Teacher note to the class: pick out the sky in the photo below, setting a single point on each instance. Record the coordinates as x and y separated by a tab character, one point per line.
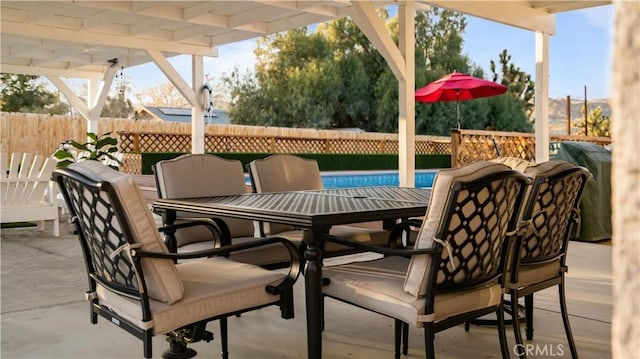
579	54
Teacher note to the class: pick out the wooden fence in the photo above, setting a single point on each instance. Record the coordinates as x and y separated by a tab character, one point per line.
468	146
365	143
42	134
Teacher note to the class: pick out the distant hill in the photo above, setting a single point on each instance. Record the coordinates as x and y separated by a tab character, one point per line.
558	113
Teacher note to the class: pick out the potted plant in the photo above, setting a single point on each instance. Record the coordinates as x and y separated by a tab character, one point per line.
101	148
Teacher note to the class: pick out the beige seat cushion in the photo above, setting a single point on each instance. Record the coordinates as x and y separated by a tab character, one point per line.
271	254
211	287
535	273
379	286
417	272
372	236
163	282
359	234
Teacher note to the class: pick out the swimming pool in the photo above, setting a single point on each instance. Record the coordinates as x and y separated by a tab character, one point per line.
346	179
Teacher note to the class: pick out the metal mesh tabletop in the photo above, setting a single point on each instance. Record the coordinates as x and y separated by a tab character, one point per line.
310	208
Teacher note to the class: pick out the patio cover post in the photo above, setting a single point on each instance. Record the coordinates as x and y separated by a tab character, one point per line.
406	98
92	94
197	113
541	114
190	94
403	66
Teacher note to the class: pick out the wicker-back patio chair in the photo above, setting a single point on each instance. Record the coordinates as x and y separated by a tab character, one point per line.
207	175
552	204
454	271
284	172
133	280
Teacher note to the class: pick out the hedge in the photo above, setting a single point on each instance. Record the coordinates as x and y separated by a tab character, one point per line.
326	161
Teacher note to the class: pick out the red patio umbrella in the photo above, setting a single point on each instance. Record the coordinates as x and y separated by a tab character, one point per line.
458	87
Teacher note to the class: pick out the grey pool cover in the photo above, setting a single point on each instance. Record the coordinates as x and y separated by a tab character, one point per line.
595	208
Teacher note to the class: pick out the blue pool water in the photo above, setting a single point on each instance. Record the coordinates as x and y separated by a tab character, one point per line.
346	179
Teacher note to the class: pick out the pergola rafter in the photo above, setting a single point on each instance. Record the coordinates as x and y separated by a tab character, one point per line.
81	39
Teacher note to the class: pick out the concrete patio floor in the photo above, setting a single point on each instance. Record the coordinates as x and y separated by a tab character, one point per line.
44	314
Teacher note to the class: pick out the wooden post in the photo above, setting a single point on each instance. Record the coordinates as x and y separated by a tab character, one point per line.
586	111
568	115
136	142
455	147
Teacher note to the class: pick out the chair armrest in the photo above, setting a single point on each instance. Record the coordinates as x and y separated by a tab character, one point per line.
294	255
220	232
405	252
395	240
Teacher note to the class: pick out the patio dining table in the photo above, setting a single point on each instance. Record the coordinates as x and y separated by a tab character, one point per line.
314	211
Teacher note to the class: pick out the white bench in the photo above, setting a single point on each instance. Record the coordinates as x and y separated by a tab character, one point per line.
26	190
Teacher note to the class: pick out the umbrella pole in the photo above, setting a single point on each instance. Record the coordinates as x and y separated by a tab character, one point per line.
458	107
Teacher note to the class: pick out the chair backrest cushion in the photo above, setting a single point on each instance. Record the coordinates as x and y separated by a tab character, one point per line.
161	277
419	267
283	172
203	175
515	163
553	204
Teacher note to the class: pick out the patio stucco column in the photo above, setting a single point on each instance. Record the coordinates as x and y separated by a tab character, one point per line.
625	132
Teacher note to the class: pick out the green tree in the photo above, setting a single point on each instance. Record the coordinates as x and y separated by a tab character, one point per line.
334	77
360	65
438	35
24	93
518	82
294	86
439	41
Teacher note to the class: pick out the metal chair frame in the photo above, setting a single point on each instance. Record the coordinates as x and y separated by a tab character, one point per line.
440	278
98	213
548	193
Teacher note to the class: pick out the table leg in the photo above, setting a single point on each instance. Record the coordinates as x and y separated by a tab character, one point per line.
313	293
169	219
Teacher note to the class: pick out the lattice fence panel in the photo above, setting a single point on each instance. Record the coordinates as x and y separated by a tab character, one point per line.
126	142
299	145
422	147
440	147
516	146
470	146
237	144
131	163
165	143
355	146
473	149
393	146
